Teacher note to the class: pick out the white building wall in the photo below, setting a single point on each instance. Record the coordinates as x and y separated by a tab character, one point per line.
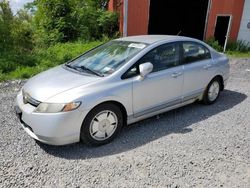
244	33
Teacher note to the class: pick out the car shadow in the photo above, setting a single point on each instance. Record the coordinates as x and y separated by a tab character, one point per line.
138	134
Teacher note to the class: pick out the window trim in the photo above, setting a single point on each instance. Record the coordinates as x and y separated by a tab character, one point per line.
179	43
182	52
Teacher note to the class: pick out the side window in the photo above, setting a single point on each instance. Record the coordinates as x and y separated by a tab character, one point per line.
193	52
162	57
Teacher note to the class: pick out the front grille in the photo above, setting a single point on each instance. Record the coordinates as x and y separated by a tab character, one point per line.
28	99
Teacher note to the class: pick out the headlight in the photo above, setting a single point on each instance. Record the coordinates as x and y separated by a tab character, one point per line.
57	107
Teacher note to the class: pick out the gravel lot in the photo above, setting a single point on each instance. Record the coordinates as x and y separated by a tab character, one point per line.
194	146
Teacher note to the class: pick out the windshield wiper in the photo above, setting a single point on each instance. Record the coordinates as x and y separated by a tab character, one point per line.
89	70
85	69
70	66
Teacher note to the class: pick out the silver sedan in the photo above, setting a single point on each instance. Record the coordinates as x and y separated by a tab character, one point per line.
121	82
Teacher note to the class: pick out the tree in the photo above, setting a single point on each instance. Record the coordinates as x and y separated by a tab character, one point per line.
63	21
100	4
22	32
54	21
15	38
6	21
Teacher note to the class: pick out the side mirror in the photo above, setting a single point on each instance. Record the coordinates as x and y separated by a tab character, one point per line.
145	69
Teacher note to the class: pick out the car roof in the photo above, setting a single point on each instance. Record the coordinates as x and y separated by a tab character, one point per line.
150	39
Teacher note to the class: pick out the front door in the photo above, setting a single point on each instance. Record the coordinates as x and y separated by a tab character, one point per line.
163	86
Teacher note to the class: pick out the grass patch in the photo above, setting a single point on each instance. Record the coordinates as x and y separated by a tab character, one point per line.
236	54
238	49
42	59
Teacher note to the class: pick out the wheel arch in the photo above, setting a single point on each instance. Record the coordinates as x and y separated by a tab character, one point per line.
117	103
220	78
85	131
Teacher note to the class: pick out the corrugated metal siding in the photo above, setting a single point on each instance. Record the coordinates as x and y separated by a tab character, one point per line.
138	14
225	7
244	33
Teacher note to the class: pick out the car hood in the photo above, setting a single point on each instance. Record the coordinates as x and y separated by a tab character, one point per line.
54	81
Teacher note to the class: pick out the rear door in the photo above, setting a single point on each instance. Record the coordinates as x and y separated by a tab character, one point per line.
198	69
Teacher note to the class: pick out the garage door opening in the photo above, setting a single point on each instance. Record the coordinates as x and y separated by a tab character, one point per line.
178	17
221	29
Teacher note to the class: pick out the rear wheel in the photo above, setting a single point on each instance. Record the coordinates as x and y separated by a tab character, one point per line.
212	92
102	124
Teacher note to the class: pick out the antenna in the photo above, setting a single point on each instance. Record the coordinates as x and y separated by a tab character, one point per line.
179	33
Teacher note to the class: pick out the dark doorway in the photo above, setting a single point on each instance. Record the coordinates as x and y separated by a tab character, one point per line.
172	17
221	29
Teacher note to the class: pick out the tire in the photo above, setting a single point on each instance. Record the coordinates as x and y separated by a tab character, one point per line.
102	124
212	91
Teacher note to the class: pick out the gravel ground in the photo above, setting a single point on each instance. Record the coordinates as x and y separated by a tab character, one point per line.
194	146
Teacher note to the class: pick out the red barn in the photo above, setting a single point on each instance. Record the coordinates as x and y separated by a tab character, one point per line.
202	19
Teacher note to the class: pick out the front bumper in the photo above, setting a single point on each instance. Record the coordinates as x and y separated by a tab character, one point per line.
50	128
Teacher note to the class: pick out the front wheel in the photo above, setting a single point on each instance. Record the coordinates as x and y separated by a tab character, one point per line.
102	124
212	92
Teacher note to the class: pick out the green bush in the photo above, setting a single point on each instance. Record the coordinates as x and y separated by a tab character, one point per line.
10	61
214	44
68	21
6	65
239	46
25	72
108	23
42	59
62	52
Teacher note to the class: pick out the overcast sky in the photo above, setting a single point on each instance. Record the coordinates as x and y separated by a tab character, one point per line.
18	4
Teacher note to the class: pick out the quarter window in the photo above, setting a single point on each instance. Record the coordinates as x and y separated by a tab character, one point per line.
193	52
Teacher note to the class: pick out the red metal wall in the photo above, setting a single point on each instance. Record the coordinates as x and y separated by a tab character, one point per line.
225	7
138	14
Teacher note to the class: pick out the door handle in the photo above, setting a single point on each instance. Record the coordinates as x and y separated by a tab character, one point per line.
176	74
207	66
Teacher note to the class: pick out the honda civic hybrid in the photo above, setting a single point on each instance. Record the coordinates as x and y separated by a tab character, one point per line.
91	97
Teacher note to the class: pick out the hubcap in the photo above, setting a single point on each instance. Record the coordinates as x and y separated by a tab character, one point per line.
213	91
103	125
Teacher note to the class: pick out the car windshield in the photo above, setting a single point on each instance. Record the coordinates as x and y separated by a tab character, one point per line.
107	58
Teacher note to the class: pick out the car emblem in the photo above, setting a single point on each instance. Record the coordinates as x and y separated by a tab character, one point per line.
25	97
